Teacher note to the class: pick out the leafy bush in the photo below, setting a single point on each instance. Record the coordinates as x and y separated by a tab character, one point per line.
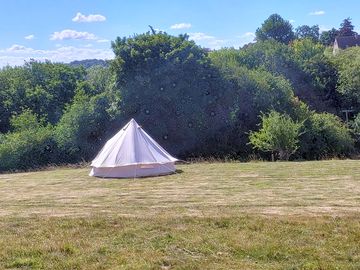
27	120
310	74
325	136
31	144
80	131
322	73
251	92
168	85
348	65
42	87
278	134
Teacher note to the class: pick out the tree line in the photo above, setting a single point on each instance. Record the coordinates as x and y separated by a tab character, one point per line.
280	97
281	30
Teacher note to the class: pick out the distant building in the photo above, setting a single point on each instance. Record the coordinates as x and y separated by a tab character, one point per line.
342	43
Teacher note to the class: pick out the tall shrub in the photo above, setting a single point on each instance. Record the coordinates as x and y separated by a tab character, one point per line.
278	134
80	131
325	136
31	145
169	86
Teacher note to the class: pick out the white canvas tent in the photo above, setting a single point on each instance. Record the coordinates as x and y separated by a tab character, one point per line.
132	153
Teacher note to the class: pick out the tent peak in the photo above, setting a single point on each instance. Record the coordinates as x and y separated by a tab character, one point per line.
133	122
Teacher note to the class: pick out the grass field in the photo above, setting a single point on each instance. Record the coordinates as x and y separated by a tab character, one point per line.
293	215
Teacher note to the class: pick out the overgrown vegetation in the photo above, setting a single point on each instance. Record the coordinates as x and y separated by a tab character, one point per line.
194	102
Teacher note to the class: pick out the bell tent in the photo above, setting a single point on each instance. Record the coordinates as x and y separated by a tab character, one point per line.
132	153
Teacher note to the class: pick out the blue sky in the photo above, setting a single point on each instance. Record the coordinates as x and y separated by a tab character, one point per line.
67	30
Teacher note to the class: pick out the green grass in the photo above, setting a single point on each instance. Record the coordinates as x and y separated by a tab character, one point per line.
295	215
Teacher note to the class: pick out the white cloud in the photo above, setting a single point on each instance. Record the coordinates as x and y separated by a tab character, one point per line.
207	41
90	18
103	40
16	48
292	21
181	26
248	35
19	50
29	37
200	36
72	34
217	43
317	13
17	54
243	39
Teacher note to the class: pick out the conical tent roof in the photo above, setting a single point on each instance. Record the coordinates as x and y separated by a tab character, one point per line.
131	146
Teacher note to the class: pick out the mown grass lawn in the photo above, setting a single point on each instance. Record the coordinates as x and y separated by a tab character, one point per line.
294	215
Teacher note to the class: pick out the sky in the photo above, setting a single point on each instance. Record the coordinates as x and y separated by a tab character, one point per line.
68	30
